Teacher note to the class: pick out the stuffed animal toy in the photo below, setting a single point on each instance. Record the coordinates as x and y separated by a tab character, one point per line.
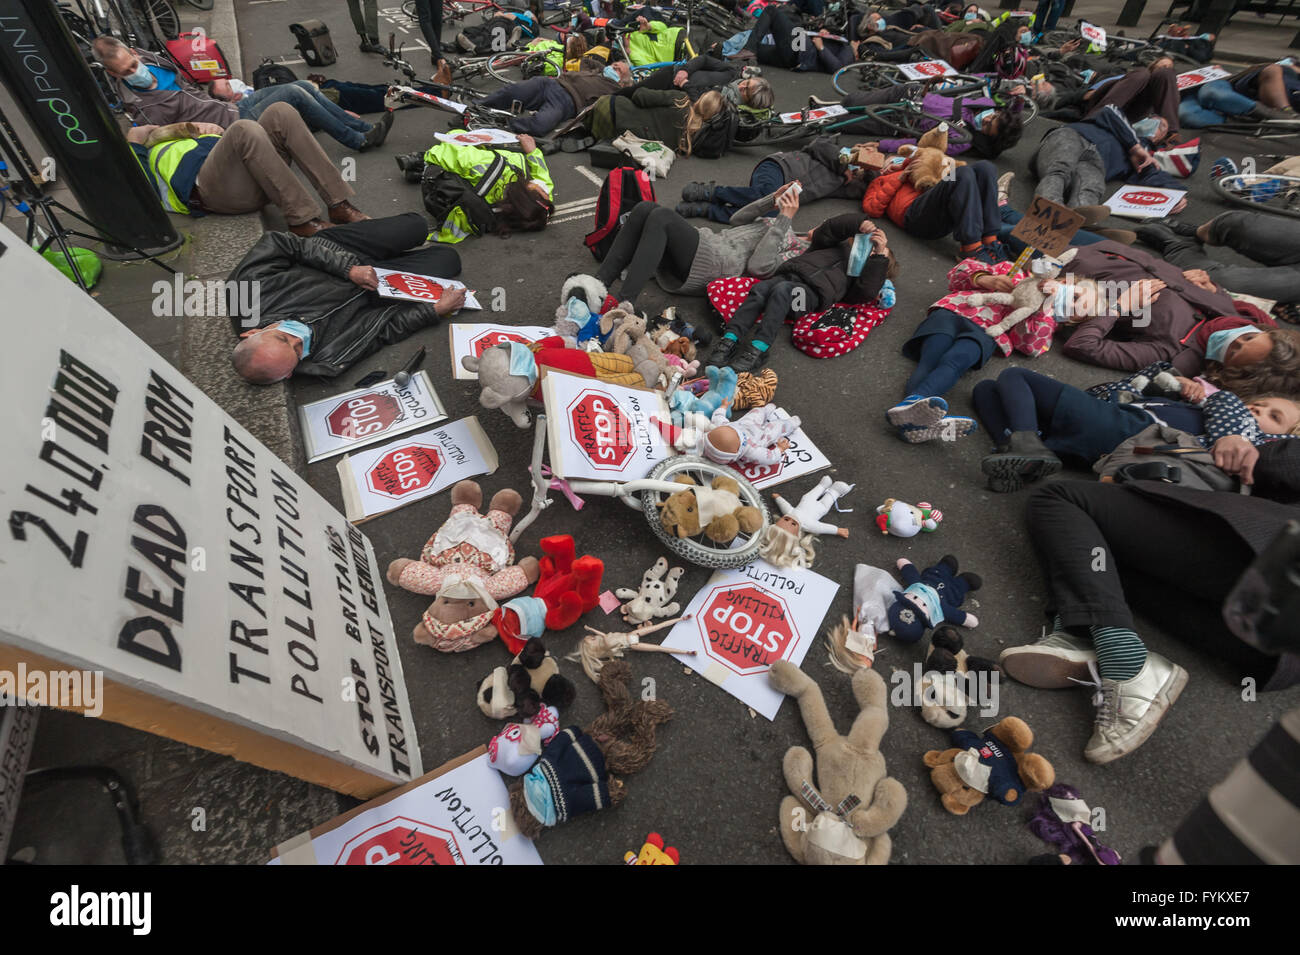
722	386
658	587
931	597
588	290
532	680
944	689
754	390
906	520
573	775
1032	293
852	644
716	511
758	437
577	324
928	161
467	565
515	749
654	852
997	765
508	374
1063	821
788	542
852	802
626	334
566	589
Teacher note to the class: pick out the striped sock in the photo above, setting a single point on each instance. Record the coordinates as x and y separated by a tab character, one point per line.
1120	652
1057	626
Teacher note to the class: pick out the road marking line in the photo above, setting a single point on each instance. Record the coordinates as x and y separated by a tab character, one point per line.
582	205
590	175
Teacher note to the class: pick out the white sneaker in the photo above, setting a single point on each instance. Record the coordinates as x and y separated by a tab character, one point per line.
1128	711
1004	187
1053	662
917	411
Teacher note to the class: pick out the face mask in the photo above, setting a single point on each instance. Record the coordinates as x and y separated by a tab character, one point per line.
522	362
878	26
971	15
141	79
611	74
1218	343
1025	39
1062	302
859	253
982	117
300	331
1147	128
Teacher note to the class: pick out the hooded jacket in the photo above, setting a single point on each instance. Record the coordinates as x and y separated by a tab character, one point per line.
825	266
190	104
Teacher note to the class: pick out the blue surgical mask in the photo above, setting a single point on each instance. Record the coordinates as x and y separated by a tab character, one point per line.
1062	302
1025	38
522	362
300	331
878	25
141	79
982	117
859	253
1147	128
612	74
970	15
1218	343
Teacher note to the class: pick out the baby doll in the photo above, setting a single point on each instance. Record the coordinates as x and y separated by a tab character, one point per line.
788	542
758	437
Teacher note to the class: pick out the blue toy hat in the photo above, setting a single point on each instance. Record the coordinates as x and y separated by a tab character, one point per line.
906	622
568	780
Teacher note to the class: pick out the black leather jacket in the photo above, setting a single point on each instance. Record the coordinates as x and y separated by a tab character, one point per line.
307	280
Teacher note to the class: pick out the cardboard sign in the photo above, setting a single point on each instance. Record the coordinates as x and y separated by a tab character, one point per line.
475	339
743	621
1144	202
379	480
1048	226
602	431
17	731
821	112
459	814
1093	34
431	98
802	457
1206	74
412	287
366	415
926	69
152	538
478	137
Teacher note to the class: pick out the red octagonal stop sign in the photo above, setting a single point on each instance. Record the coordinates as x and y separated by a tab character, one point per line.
601	430
362	415
745	628
401	841
405	470
416	285
755	472
480	344
1143	198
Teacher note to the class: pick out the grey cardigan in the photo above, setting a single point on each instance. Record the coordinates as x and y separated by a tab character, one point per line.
753	249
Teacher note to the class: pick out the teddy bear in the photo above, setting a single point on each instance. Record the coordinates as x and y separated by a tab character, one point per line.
467	566
716	511
932	596
567	587
907	520
575	772
654	852
658	587
853	803
928	161
1032	293
997	764
627	333
532	680
944	689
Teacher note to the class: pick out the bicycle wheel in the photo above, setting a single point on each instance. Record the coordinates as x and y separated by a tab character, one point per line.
133	25
699	549
866	76
514	66
163	17
1263	193
408	9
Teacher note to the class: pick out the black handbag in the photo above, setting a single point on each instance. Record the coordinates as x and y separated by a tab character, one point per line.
314	42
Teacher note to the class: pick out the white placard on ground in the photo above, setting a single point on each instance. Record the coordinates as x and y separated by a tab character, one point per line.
1206	74
366	415
926	69
821	112
1144	202
478	137
601	431
474	339
1093	34
743	621
378	480
413	287
153	538
458	814
802	457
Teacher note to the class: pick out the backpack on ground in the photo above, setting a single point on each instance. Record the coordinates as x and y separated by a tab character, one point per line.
718	134
623	188
314	42
443	190
269	73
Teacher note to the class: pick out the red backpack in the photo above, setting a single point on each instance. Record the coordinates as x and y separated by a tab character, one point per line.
623	188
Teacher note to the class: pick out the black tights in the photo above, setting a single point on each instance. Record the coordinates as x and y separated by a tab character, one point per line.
1020	400
653	237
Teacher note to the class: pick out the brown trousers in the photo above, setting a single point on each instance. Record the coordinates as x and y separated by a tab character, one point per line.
249	168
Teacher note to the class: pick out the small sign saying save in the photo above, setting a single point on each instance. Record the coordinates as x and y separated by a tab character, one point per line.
1048	226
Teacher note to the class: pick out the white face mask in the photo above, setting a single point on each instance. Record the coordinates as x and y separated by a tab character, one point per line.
141	79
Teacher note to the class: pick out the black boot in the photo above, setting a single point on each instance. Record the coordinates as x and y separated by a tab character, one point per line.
412	165
1023	459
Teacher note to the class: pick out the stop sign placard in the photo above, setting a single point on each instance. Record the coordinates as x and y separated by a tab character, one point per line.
401	841
756	473
1142	198
361	415
405	470
746	628
480	344
601	431
417	286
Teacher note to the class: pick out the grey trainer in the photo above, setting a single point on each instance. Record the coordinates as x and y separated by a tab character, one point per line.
1128	711
1053	662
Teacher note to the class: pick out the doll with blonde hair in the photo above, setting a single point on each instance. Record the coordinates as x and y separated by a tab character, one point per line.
789	541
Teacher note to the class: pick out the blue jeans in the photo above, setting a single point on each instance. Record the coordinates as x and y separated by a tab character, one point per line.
942	361
1011	216
1048	12
767	178
1210	103
316	111
966	206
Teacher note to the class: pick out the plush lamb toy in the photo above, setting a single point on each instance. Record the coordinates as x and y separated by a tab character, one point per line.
1032	293
932	596
467	565
844	814
997	765
658	587
944	687
906	520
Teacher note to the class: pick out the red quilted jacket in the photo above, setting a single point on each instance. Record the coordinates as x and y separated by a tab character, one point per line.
890	195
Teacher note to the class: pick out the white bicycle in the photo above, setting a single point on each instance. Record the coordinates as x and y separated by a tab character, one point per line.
646	495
